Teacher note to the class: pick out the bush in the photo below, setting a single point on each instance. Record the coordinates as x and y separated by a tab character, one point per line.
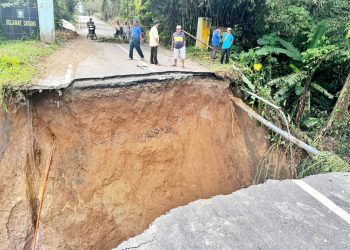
64	9
341	132
326	162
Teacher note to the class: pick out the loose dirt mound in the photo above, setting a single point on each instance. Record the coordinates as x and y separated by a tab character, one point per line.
123	157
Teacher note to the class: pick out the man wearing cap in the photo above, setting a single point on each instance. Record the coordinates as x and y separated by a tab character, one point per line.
135	40
227	41
179	46
154	42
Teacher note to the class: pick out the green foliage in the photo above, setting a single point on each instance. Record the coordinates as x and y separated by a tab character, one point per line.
105	10
91	6
271	45
64	9
341	132
268	50
305	60
17	60
244	15
16	63
313	123
290	20
304	57
317	35
326	162
288	89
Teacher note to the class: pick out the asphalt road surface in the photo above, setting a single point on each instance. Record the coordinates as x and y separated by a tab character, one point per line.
118	54
306	214
84	58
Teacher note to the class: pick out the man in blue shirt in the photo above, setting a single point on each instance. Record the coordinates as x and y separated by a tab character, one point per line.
135	40
215	42
227	41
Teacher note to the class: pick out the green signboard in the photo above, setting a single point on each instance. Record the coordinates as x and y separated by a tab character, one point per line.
20	22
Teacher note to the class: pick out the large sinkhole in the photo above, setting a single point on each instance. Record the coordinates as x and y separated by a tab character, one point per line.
122	157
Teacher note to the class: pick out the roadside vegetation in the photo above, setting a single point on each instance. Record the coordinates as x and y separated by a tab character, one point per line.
18	60
294	53
18	63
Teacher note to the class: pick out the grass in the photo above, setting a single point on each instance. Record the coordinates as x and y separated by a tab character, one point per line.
18	60
326	162
203	57
200	56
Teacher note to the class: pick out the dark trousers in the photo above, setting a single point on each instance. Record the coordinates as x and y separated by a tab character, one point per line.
213	52
154	55
135	44
227	53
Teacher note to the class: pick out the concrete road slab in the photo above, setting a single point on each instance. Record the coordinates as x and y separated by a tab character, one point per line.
274	215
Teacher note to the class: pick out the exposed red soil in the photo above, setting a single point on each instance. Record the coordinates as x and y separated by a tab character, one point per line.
123	157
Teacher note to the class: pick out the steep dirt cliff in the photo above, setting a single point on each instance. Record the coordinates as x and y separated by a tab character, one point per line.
122	158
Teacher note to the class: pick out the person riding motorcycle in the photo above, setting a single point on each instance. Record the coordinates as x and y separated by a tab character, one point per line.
91	26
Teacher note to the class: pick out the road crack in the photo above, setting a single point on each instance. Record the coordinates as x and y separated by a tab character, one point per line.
139	245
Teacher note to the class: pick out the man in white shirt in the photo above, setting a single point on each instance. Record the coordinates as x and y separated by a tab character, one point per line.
154	42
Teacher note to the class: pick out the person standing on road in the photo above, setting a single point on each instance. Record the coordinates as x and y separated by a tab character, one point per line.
126	30
118	29
154	42
135	42
215	42
179	46
227	41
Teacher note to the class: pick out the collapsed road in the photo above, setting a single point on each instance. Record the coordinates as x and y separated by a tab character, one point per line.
274	215
92	164
89	163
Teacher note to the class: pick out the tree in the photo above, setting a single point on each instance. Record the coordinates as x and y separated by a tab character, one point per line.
304	66
105	10
341	108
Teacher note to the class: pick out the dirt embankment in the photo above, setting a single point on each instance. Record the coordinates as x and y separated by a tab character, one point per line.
123	157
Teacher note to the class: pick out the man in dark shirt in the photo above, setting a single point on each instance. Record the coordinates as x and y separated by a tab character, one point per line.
179	46
91	24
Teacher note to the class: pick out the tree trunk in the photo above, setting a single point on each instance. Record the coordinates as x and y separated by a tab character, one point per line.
341	107
302	100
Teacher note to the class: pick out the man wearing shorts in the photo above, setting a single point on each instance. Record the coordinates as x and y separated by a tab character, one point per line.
179	46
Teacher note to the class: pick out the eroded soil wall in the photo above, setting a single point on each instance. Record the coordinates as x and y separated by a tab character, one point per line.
123	157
